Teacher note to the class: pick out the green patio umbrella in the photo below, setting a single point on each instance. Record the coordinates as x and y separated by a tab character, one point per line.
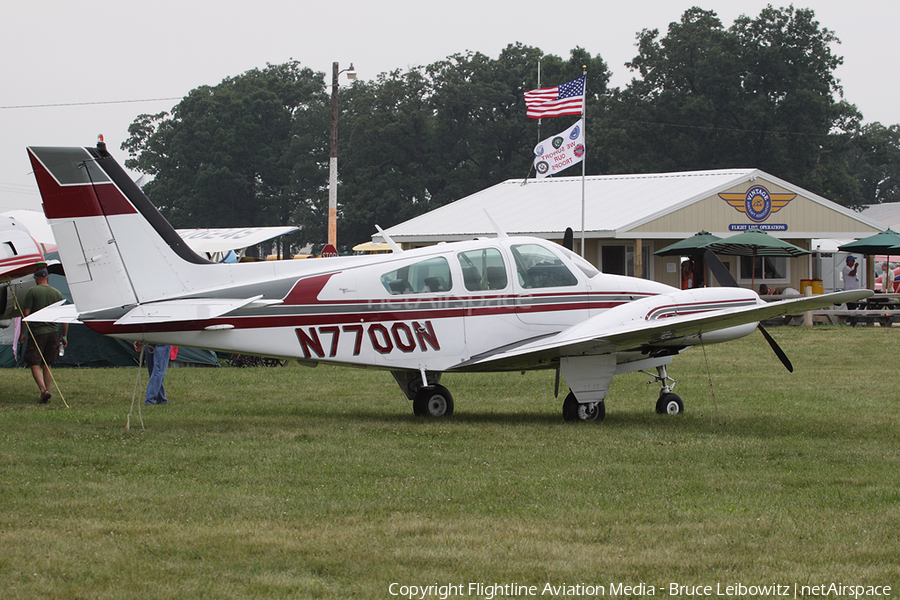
885	242
755	242
880	243
696	244
693	246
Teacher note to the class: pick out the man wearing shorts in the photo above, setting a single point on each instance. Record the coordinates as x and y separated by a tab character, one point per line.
43	339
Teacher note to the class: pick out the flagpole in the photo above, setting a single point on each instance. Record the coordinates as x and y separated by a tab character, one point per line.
539	86
583	160
525	181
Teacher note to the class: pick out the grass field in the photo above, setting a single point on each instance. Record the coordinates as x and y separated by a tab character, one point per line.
320	483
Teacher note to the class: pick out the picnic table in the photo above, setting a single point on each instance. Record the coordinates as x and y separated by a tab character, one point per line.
881	309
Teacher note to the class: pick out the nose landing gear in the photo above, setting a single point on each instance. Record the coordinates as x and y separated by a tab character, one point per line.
669	403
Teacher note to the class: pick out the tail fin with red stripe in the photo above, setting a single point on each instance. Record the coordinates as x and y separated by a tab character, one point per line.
103	224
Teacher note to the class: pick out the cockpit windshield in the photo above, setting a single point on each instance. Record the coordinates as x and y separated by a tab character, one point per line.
583	265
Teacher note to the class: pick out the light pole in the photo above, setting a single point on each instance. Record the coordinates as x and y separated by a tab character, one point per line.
332	161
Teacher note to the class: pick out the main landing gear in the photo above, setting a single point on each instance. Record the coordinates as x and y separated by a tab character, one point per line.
573	410
428	397
669	403
433	401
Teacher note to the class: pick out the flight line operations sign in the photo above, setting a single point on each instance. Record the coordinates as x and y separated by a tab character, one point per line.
758	204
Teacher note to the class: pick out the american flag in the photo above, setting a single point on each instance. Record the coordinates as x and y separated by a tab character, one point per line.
565	99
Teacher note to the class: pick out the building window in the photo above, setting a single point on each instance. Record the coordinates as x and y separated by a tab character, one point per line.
619	260
766	269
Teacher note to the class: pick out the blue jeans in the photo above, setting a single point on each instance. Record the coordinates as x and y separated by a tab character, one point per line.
157	357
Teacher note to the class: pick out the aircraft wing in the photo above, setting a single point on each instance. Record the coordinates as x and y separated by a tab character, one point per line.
225	239
597	335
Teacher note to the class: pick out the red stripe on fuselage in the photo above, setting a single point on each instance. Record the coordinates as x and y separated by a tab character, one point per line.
306	291
668	310
405	312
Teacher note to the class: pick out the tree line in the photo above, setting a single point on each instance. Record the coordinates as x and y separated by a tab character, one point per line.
253	150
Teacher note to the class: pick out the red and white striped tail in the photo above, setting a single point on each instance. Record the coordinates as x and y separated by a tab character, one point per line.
103	224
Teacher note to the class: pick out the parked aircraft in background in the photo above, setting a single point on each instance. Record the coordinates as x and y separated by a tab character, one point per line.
217	244
501	304
23	249
20	256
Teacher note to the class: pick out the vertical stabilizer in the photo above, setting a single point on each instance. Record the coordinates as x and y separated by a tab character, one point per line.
103	223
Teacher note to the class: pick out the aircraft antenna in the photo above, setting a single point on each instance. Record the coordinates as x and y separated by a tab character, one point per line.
500	232
394	247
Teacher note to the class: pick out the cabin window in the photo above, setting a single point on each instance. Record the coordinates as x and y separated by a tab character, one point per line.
7	250
538	267
483	269
428	276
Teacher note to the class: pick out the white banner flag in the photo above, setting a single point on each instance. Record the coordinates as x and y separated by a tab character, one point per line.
560	151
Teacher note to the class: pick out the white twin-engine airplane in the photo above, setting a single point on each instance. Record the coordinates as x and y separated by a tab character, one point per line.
488	305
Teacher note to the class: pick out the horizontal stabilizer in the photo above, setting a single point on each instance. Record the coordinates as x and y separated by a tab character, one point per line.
184	309
58	312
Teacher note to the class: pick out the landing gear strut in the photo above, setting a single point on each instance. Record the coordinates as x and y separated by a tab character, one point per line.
668	403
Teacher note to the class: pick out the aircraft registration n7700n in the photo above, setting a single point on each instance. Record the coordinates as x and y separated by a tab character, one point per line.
499	304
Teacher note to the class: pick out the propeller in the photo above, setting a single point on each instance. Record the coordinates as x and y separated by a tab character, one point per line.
725	279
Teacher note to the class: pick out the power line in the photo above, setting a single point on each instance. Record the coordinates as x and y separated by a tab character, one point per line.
16	188
88	103
711	127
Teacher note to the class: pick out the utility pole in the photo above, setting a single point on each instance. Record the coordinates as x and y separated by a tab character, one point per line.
332	161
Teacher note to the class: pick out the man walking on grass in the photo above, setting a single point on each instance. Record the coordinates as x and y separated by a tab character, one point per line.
43	340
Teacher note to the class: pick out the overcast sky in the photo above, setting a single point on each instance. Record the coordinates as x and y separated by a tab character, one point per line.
71	70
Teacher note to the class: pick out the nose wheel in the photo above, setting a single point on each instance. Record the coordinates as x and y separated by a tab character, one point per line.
669	403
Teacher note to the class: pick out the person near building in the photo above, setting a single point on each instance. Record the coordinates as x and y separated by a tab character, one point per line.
687	274
851	280
887	278
43	340
157	357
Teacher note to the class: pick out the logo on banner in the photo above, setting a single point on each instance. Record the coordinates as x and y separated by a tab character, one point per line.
758	203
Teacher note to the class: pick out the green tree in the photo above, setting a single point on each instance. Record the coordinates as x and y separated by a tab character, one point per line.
246	152
411	142
874	159
759	94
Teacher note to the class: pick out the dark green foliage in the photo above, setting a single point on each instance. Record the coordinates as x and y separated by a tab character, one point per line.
246	152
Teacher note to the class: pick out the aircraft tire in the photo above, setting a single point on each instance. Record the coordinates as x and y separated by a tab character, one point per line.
433	401
670	404
570	407
576	411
